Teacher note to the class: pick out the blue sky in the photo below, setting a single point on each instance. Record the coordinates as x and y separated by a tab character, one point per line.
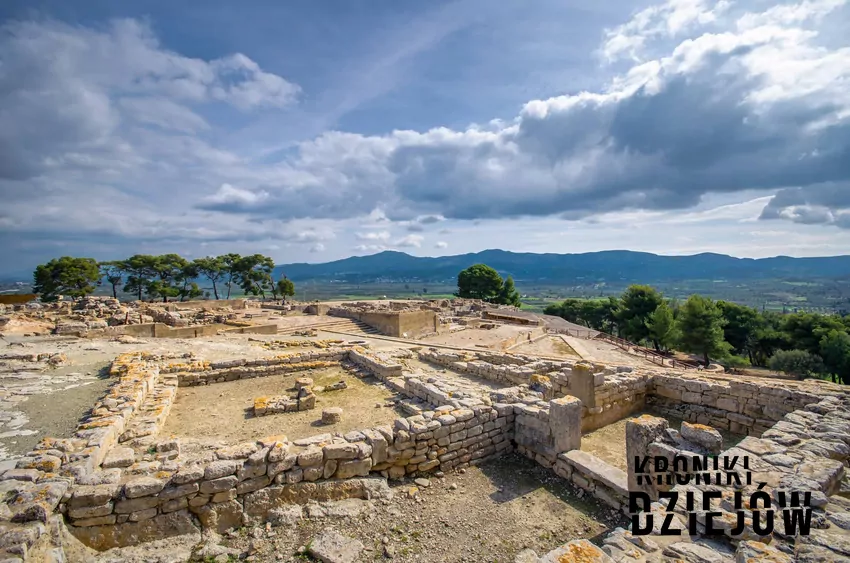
314	130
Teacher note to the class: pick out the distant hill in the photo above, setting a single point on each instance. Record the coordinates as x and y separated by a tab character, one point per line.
606	266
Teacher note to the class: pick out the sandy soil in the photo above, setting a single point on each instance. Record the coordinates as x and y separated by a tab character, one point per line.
488	513
551	346
606	353
609	443
222	412
476	337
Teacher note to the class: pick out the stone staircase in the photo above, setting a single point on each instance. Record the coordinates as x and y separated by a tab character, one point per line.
339	324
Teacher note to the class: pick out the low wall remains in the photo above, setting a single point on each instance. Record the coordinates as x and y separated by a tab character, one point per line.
602	480
162	330
236	304
741	407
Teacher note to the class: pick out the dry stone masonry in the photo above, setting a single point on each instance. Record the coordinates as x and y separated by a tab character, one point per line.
118	481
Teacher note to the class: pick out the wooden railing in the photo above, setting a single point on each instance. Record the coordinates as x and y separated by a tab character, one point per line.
586	334
646	353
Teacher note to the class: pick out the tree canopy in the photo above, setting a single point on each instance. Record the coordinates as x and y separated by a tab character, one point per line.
480	281
285	288
74	277
635	308
701	328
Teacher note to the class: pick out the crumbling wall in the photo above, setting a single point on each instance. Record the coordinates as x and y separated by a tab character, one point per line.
742	407
249	481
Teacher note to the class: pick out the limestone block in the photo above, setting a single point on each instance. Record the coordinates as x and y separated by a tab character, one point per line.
565	423
239	451
704	436
640	433
132	505
593	467
312	456
330	546
303	382
178	491
105	535
341	451
278	451
93	495
218	469
218	485
331	415
119	457
90	511
143	486
359	467
757	551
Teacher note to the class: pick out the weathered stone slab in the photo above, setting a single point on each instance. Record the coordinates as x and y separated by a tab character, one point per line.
163	526
332	547
565	423
702	435
594	467
260	503
119	457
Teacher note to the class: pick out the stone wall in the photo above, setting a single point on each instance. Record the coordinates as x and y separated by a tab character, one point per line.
416	324
382	368
607	394
742	407
109	498
602	480
232	485
413	324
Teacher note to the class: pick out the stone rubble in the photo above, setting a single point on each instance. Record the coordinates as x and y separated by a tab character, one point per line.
117	482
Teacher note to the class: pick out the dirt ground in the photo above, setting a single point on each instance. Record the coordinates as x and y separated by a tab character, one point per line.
223	412
551	346
606	353
609	443
476	337
488	513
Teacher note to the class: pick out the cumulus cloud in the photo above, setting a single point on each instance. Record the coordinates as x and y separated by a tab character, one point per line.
373	235
67	88
441	244
370	247
109	123
825	204
722	112
410	241
670	19
228	196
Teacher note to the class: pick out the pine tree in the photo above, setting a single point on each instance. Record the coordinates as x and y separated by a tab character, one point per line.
508	295
700	325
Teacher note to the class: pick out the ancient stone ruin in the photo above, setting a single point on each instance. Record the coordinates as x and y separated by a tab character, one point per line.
121	480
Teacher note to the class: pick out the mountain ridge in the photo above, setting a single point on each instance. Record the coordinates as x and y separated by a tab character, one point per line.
606	265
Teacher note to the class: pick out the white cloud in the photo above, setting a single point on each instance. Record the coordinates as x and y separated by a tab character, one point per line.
163	113
441	244
228	194
108	122
669	19
370	247
374	235
410	241
318	247
67	90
